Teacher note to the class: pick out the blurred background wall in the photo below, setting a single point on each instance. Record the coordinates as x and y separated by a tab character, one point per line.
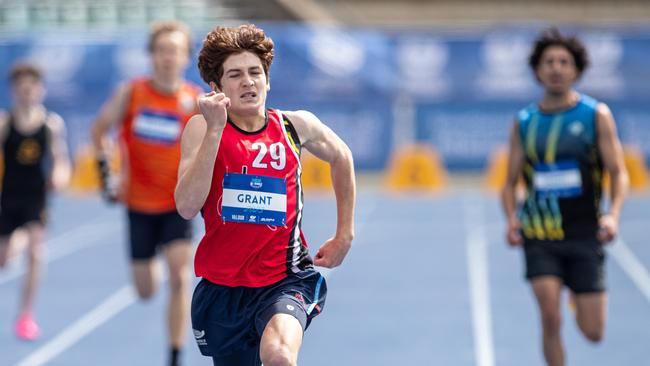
383	74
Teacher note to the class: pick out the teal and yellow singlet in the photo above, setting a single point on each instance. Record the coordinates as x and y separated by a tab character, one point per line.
562	171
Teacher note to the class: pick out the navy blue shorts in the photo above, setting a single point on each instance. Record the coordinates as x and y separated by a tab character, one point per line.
579	263
228	322
148	232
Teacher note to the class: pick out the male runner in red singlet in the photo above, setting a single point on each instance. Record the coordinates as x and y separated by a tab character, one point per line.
240	167
151	113
35	153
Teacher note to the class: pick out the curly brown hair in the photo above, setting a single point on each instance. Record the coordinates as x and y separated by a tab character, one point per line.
159	28
553	37
23	69
223	42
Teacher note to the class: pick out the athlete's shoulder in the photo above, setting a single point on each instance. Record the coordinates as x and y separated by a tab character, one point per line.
527	112
138	81
54	122
301	117
192	87
124	90
287	123
589	102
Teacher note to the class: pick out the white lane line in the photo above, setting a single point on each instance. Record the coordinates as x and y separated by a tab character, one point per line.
113	305
65	244
479	284
632	266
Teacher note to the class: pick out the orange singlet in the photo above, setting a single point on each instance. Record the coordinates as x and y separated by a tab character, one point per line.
150	141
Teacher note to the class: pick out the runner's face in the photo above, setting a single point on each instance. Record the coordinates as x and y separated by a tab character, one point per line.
28	90
557	70
170	54
245	83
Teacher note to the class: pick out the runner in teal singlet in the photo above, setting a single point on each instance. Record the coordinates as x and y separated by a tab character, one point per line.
562	146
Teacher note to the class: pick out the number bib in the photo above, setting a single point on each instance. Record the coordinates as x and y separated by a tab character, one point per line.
561	179
157	126
254	199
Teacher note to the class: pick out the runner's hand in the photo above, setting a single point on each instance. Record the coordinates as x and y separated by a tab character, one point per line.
214	107
608	229
331	253
514	233
109	182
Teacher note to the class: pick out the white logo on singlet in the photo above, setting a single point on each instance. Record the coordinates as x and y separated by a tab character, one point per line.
290	307
576	128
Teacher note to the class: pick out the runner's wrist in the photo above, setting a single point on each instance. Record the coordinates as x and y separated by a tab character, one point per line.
214	131
614	214
345	237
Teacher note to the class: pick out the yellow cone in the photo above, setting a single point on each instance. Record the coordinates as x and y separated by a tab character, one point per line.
315	173
85	174
636	168
416	167
497	169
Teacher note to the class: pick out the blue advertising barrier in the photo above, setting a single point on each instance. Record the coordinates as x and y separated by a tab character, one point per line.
463	87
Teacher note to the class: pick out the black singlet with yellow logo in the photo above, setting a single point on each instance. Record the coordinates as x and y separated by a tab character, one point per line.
25	164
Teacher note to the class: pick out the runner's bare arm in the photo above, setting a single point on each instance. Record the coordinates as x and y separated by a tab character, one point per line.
60	174
611	153
4	127
508	197
199	147
110	115
321	141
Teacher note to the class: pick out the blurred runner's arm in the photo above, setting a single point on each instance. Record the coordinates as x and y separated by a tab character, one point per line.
4	127
199	147
321	141
60	174
508	198
110	115
611	153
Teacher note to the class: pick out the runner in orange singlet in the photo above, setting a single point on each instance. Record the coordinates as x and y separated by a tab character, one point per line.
151	113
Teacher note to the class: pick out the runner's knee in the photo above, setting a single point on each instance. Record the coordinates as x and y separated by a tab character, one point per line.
145	285
593	335
35	253
278	355
551	321
4	255
145	292
179	279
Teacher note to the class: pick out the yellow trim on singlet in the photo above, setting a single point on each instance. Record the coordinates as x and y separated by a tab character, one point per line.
552	140
294	146
527	227
531	139
554	229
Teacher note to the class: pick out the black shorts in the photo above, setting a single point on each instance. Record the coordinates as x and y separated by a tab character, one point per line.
228	322
148	232
579	263
16	214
